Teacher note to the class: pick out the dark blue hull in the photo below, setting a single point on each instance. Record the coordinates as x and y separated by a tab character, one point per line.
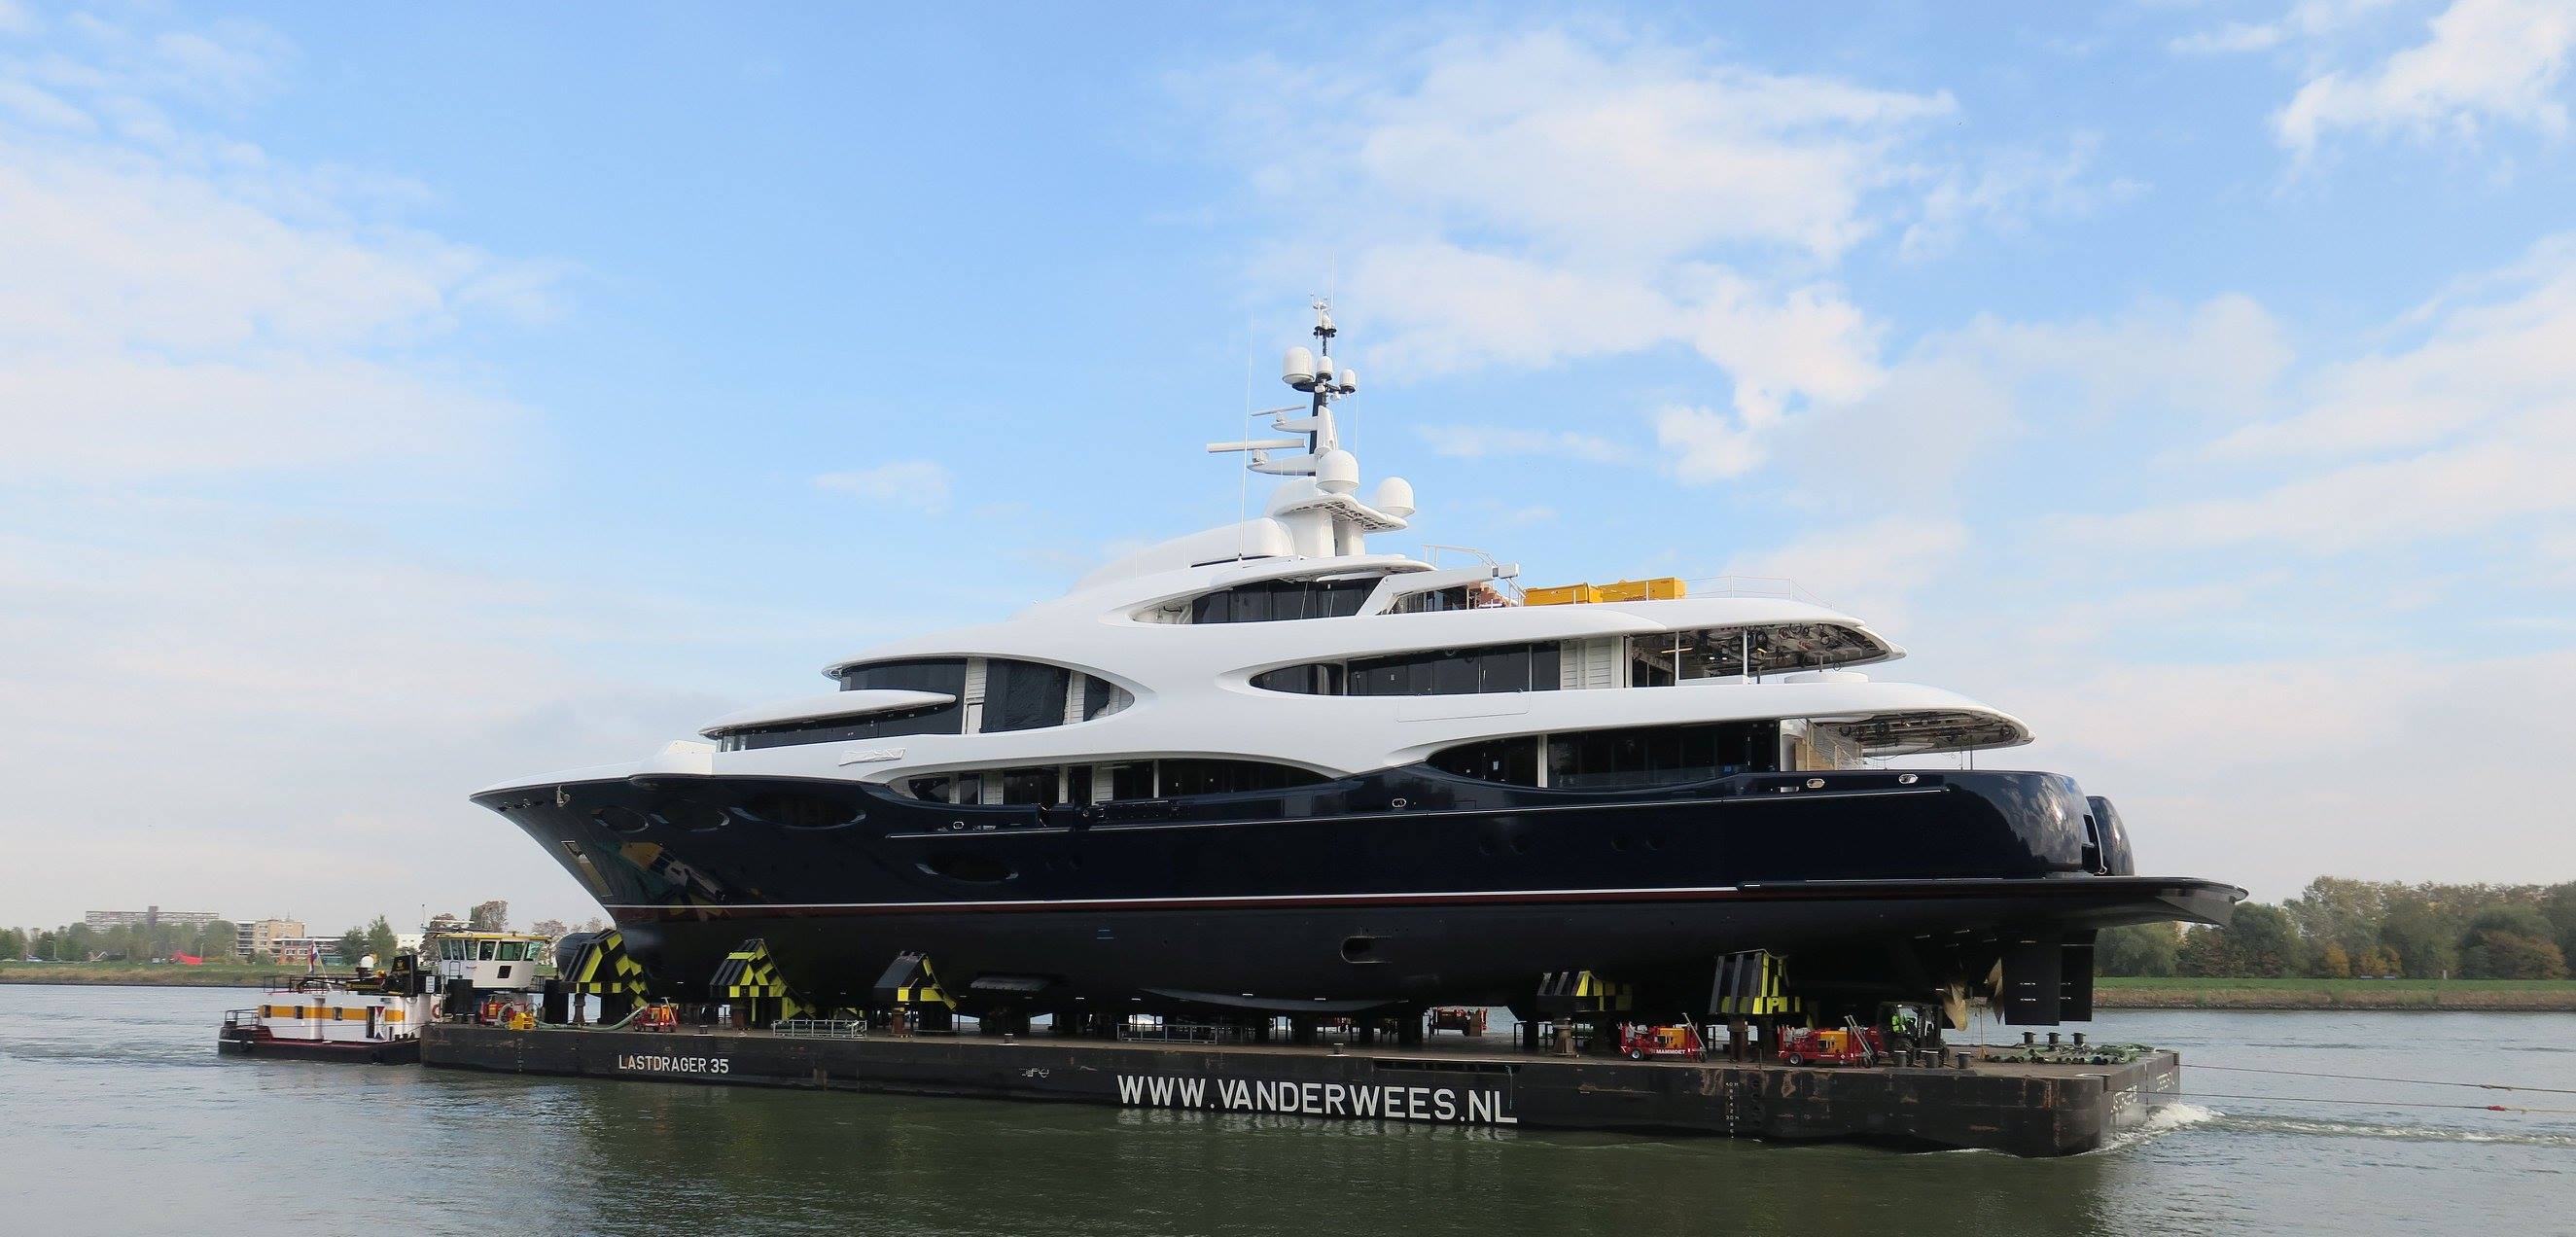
1402	887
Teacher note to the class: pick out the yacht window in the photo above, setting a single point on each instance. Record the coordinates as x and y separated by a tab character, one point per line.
1320	679
1659	661
1463	597
1100	697
1036	786
1457	672
1133	780
484	950
937	719
1269	601
1511	761
1661	755
1023	695
1217	777
945	675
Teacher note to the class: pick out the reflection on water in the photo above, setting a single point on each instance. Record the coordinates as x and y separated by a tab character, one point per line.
119	1117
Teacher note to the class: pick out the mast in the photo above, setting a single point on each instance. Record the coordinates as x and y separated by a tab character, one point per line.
1318	504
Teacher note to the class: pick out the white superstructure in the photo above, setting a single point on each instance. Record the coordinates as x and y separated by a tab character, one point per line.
1282	648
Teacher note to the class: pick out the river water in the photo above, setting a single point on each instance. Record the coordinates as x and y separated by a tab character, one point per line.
116	1116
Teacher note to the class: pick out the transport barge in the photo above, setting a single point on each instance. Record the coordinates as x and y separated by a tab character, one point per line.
2023	1109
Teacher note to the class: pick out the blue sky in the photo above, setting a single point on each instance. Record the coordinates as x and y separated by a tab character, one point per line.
402	401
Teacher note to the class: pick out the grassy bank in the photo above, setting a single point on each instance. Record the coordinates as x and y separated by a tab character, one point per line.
144	974
2436	994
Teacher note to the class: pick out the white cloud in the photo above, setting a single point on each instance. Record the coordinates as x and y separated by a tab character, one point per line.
2006	191
2473	429
1469	442
2483	62
1623	145
1705	444
2273	746
1533	198
2310	19
922	485
17	19
1871	570
228	702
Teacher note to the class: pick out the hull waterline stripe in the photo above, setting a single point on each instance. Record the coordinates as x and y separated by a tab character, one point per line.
2039	887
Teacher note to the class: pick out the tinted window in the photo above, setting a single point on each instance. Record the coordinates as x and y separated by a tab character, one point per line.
1321	679
1023	695
1513	761
945	675
938	719
1101	697
1278	600
1029	785
1661	755
1132	781
1458	672
1217	777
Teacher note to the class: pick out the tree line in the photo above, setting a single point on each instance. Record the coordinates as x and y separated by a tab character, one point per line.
79	942
2338	928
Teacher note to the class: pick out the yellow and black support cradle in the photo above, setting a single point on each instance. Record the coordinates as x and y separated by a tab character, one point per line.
748	979
605	970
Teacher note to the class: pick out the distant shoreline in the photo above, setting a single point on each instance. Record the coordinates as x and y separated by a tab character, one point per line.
136	975
2431	995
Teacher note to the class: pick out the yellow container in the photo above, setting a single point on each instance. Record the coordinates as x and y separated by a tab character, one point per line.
1566	595
1661	588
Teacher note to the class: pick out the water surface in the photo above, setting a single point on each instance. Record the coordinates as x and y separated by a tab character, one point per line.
116	1115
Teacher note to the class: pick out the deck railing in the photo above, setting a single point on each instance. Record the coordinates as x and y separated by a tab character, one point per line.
820	1028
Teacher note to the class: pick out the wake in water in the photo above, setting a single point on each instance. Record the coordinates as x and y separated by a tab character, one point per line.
2403	1133
2161	1120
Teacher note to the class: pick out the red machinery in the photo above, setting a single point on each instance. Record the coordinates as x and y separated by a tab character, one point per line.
1465	1020
1641	1042
1833	1046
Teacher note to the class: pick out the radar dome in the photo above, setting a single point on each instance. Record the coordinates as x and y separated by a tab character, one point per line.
1395	497
1298	369
1337	472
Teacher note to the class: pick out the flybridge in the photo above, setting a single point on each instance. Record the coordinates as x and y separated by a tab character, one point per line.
1318	505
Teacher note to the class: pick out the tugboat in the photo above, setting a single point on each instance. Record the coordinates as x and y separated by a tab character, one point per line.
375	1016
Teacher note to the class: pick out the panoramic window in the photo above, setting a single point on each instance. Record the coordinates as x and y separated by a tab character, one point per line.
945	675
1100	697
1660	755
938	719
1448	672
1270	601
1054	785
1510	761
1023	695
1614	759
1321	679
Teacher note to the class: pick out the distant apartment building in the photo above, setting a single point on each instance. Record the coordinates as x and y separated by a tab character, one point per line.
150	916
260	938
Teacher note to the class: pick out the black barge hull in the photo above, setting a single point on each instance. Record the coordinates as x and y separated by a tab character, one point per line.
2025	1110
